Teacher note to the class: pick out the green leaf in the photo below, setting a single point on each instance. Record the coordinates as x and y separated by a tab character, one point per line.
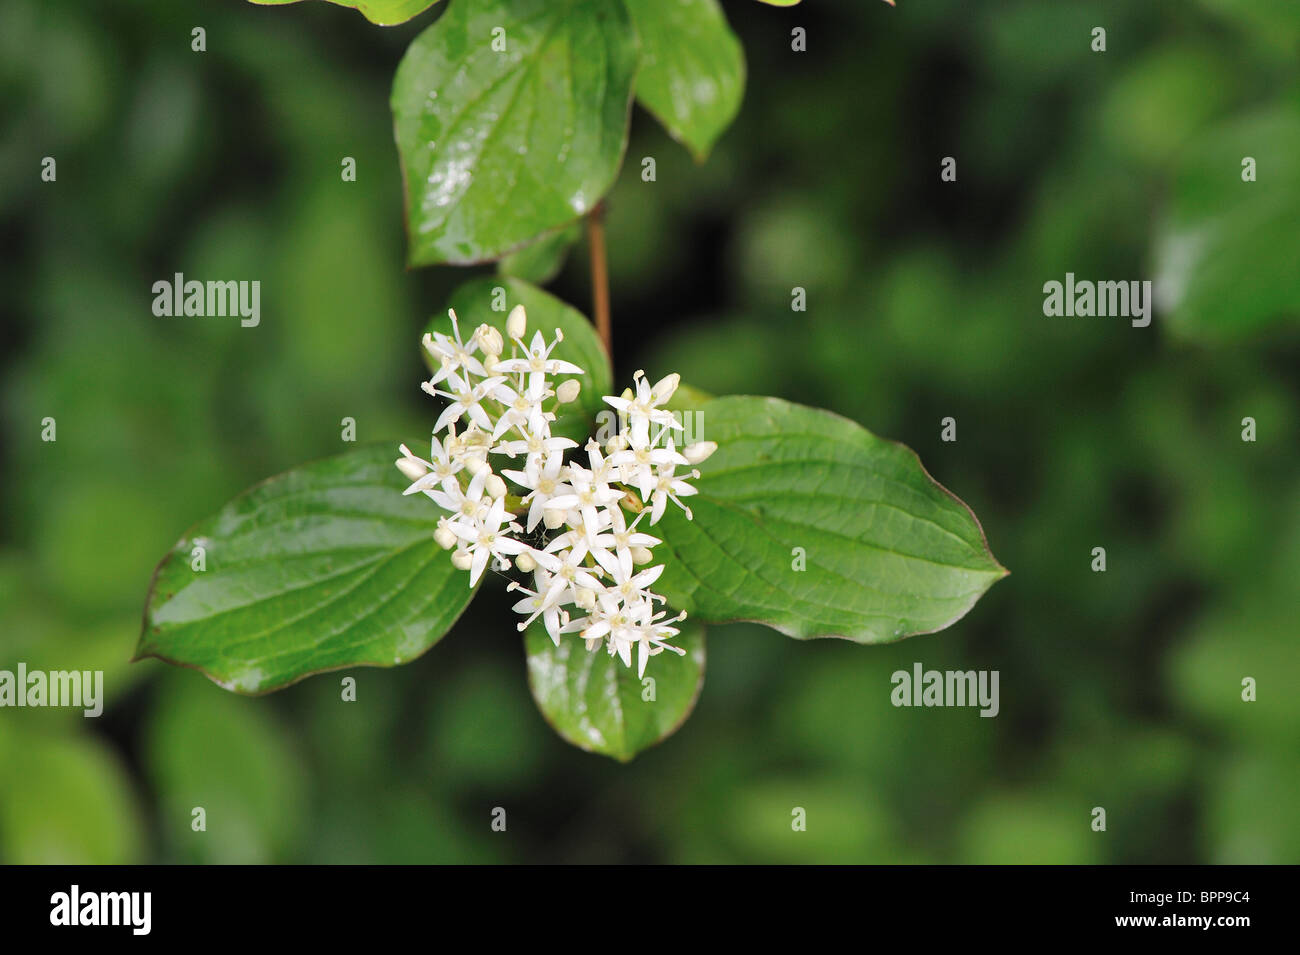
1227	253
692	74
597	704
473	303
542	260
325	566
382	12
498	147
784	3
889	553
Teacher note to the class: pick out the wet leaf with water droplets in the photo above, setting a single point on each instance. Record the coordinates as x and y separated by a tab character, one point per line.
596	703
527	128
692	74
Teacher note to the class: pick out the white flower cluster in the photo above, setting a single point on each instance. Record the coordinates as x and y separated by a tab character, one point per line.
585	577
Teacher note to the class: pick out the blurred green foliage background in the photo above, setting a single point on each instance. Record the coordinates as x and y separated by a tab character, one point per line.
1120	690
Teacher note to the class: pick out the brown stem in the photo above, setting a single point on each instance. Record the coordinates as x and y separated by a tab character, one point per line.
600	276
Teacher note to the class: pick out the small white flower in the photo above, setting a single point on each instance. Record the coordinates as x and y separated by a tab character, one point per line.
669	488
453	354
643	407
545	602
640	466
465	400
632	587
567	574
578	537
534	445
588	494
542	482
615	548
653	639
436	472
523	408
537	361
468	504
470	448
606	620
484	538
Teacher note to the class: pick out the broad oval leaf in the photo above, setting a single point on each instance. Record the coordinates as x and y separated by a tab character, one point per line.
692	75
596	703
474	304
511	118
885	551
385	13
325	566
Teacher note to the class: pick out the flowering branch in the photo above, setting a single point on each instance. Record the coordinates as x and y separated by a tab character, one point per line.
584	577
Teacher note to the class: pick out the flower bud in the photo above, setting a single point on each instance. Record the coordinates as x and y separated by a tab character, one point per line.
526	563
664	387
462	560
412	468
568	391
489	339
584	598
641	555
552	519
517	322
699	451
495	486
445	538
489	363
474	465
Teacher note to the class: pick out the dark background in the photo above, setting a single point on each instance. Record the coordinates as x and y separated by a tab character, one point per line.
1119	689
